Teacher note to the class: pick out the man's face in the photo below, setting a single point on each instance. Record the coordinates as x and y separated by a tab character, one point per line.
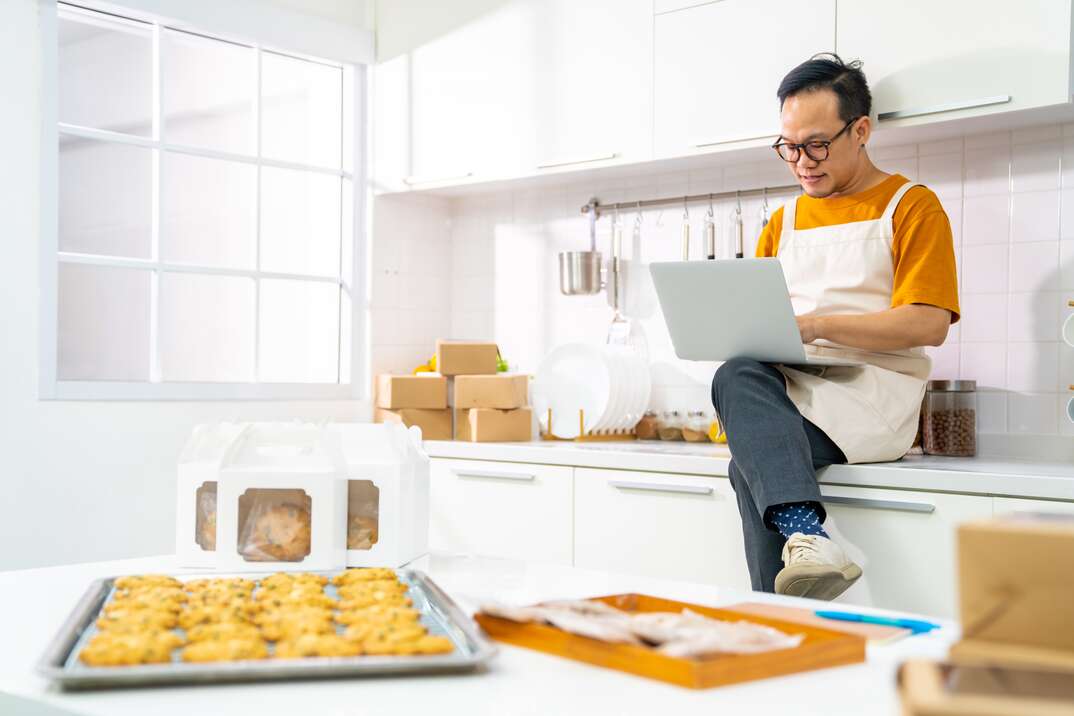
814	116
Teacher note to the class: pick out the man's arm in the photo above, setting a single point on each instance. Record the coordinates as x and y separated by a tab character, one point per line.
895	329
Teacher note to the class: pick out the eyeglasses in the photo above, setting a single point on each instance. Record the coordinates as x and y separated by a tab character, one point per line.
816	149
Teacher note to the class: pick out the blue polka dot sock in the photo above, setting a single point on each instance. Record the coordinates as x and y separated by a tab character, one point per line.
791	517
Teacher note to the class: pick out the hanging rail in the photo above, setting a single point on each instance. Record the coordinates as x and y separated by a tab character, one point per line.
646	203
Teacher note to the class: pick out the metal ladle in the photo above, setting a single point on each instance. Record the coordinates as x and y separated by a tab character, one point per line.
579	271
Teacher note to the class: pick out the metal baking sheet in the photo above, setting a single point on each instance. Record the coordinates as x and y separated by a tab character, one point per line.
439	614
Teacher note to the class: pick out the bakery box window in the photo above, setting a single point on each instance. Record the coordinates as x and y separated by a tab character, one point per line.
363	514
205	517
274	525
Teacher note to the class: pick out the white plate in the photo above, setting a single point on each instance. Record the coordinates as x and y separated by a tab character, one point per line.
620	380
572	377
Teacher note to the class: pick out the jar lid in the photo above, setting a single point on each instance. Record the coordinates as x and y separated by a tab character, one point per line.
952	386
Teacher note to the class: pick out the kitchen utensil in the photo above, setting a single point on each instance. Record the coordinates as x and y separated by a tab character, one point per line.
573	377
685	231
439	614
1068	327
579	271
1070	409
739	248
710	232
619	331
821	648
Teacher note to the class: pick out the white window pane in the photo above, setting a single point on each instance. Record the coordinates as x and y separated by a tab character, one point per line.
102	323
206	328
346	337
301	110
208	91
208	211
300	220
299	330
105	73
106	198
347	236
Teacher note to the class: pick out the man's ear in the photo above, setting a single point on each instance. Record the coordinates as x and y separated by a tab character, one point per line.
863	130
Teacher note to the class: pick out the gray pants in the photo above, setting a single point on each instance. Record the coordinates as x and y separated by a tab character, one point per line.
776	454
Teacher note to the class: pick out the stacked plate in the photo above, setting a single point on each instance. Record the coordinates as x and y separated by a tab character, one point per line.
609	384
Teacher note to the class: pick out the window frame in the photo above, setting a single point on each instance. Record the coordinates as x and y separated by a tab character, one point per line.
353	343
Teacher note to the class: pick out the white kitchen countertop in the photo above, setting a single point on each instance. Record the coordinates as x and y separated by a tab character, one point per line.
518	681
976	475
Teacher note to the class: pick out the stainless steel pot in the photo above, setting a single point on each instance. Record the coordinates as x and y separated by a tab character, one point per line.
579	272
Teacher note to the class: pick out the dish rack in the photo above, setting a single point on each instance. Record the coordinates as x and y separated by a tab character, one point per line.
583	436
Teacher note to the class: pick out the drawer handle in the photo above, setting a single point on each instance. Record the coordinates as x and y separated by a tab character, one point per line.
716	142
569	162
654	487
920	507
493	475
946	107
414	181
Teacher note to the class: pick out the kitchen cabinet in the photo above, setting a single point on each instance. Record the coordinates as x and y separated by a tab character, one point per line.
904	542
659	525
509	510
592	82
1009	505
717	68
958	57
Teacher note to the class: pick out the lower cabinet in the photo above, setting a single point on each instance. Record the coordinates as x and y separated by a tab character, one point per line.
904	541
493	509
658	525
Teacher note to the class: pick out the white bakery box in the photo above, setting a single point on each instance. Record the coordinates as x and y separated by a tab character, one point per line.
302	496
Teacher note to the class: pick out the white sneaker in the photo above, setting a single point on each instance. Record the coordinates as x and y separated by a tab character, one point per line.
815	567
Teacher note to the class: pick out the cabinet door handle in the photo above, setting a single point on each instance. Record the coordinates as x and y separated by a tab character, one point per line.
898	506
946	107
414	181
656	487
569	162
496	475
715	142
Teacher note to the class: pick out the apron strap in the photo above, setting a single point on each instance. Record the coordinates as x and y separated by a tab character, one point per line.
889	211
789	217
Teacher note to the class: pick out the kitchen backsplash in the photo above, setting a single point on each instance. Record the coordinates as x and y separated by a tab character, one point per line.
484	267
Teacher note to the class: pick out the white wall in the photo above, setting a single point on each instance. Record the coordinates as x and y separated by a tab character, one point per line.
1010	198
82	481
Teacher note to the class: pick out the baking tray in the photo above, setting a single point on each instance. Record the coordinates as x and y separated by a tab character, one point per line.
439	614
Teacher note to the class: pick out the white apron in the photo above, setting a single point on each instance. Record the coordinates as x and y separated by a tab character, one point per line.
870	412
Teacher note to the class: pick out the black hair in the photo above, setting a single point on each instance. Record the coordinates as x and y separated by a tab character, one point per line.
828	71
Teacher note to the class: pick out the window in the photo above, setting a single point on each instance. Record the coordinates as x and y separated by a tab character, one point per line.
205	199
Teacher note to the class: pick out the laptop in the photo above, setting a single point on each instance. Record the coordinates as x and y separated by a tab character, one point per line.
738	308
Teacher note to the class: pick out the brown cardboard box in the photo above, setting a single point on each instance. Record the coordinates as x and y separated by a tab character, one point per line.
501	391
424	390
486	425
434	424
1015	588
466	358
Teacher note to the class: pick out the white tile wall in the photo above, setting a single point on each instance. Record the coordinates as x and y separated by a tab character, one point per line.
493	274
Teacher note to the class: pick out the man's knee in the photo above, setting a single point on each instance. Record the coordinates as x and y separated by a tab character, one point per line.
733	373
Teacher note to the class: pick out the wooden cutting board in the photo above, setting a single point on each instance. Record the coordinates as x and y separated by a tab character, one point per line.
873	633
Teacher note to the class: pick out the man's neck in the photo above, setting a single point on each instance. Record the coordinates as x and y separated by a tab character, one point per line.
867	176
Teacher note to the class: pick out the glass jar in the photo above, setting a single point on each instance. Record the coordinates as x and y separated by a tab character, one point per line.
949	418
648	428
696	427
671	425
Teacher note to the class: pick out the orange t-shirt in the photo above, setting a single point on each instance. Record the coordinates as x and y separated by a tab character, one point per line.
922	249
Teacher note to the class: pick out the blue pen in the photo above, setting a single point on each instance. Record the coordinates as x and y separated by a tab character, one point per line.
916	626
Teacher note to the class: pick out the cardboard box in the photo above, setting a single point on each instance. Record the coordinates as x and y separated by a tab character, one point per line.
466	358
1014	588
425	390
501	391
487	425
434	424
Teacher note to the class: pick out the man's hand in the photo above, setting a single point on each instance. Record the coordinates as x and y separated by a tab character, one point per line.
894	329
807	325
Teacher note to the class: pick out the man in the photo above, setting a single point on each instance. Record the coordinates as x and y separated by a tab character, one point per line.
870	266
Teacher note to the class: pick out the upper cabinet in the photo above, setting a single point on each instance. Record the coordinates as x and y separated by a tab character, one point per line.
524	87
958	58
592	82
717	68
